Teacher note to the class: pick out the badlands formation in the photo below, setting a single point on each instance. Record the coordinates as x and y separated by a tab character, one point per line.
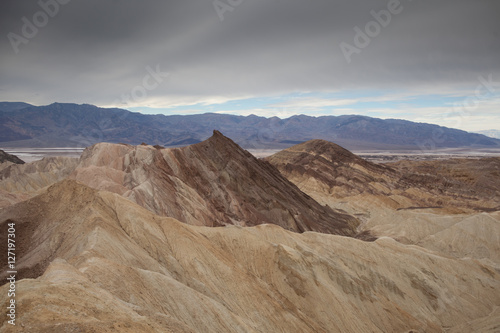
212	183
206	238
452	206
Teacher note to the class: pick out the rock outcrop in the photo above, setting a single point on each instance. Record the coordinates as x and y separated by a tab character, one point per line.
6	157
322	166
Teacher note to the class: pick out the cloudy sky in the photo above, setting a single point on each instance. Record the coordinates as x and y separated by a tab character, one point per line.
426	61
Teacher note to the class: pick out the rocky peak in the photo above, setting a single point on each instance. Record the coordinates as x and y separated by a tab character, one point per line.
6	157
212	183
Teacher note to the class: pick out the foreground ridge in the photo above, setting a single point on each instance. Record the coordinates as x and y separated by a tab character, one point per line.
99	262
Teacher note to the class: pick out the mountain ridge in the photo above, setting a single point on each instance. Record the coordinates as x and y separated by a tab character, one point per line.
211	183
6	157
492	133
82	125
325	169
13	106
117	241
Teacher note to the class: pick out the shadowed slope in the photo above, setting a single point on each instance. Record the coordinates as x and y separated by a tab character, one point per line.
6	157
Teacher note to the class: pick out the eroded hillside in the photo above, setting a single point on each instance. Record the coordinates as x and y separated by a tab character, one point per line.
98	262
212	183
194	239
324	169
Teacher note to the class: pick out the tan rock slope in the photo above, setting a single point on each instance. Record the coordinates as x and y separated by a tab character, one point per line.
97	262
321	168
19	182
473	181
212	183
432	204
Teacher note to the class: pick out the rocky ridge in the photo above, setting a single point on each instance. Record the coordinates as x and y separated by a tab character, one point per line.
324	169
19	182
450	206
212	183
6	157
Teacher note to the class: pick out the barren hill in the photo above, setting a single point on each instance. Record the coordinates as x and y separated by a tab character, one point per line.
211	183
319	165
448	205
324	169
126	248
98	262
477	178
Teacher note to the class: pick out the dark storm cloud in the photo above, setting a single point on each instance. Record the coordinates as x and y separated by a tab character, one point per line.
95	51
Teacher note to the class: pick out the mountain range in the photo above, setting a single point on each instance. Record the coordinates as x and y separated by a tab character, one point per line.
72	125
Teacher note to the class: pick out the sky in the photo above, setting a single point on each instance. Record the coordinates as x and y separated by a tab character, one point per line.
426	61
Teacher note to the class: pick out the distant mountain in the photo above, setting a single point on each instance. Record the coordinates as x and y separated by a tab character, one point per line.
73	125
491	133
13	106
